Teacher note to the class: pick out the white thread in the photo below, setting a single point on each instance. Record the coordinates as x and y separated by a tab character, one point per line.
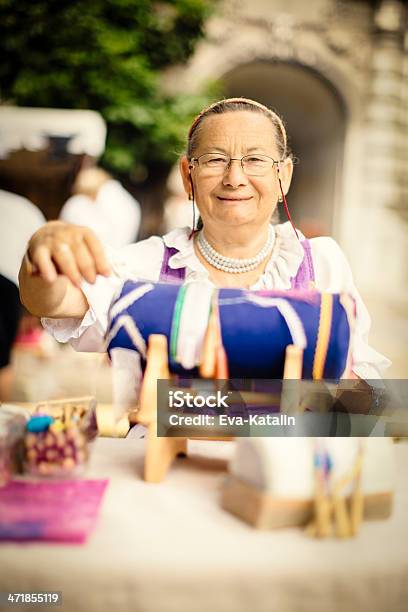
133	332
193	323
287	311
127	300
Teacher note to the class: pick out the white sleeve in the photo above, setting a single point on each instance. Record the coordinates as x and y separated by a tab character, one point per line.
142	260
87	334
333	274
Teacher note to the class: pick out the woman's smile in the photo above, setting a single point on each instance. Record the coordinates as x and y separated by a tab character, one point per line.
234	198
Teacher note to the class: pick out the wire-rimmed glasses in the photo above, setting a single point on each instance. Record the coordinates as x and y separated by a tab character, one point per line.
217	163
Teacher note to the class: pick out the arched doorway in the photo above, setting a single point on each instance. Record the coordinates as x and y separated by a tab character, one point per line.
315	117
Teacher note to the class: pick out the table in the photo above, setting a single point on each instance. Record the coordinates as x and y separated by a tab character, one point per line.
171	548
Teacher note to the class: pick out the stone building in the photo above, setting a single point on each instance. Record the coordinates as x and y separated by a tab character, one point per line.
336	70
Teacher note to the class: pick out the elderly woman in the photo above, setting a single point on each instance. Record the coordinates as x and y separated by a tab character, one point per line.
237	168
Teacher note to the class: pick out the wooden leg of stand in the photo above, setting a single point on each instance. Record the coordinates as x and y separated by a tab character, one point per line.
293	362
156	368
209	355
290	399
160	454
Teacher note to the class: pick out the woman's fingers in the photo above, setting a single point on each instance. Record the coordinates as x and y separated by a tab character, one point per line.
70	250
67	263
86	263
42	263
98	253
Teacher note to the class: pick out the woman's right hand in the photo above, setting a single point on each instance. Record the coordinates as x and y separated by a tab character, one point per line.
66	249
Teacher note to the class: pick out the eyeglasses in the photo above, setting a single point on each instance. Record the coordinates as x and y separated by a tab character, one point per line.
213	164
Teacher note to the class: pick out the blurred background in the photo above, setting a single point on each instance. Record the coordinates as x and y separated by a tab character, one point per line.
114	85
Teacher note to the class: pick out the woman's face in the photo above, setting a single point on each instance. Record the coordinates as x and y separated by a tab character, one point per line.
234	198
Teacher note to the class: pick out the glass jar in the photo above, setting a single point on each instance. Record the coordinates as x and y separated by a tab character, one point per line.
58	436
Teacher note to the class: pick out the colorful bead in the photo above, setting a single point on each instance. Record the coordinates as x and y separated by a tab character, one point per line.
39	423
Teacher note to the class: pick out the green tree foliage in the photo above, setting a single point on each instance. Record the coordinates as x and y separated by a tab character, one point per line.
105	55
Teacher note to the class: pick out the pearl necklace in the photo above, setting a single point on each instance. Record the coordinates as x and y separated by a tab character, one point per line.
230	264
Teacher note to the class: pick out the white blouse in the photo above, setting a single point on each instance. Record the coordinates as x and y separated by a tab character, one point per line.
143	260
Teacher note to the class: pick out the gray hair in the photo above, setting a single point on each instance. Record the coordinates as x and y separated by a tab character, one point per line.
238	104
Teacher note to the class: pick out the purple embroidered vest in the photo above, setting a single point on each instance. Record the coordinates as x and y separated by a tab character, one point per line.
303	280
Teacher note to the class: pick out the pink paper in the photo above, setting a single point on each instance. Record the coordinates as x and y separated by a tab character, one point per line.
57	511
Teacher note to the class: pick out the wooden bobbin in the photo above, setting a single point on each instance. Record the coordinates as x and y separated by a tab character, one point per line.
290	398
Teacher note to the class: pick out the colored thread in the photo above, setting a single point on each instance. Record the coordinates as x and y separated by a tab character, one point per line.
221	356
323	336
175	325
322	507
329	504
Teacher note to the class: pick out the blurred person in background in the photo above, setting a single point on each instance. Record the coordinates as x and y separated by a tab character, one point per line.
177	208
237	168
19	220
104	206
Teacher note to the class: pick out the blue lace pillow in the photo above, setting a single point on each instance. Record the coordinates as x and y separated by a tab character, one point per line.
256	327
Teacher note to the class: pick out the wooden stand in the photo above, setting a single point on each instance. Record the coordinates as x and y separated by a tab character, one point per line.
263	510
161	451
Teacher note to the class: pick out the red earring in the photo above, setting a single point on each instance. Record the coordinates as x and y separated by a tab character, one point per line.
286	205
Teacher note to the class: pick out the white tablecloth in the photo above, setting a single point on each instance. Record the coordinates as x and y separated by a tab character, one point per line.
171	548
